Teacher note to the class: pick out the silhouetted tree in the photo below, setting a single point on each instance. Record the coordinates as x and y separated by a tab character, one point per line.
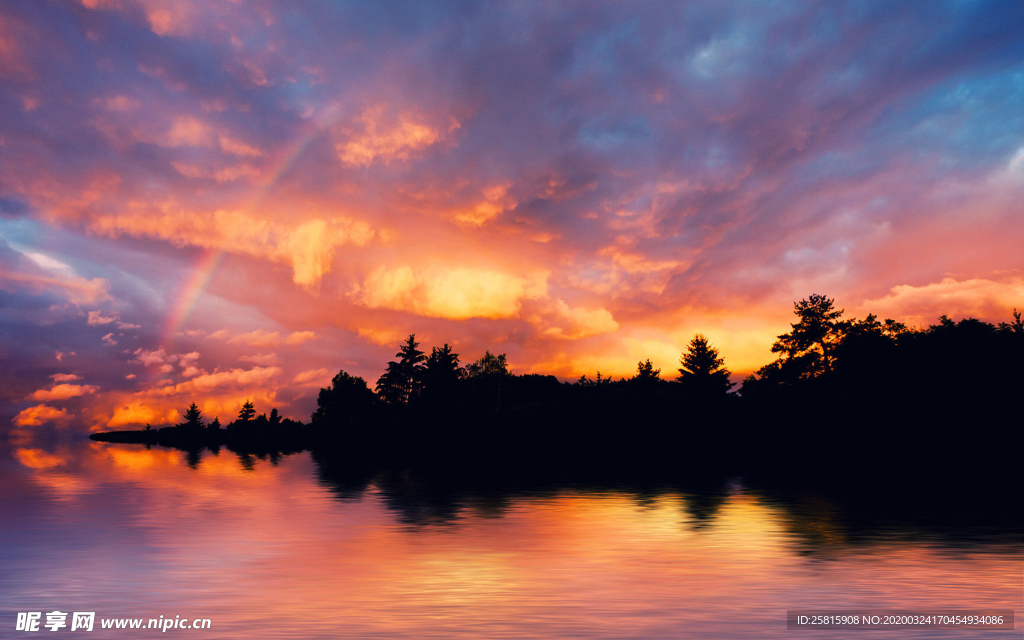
645	372
442	368
275	417
442	375
247	412
584	381
347	400
403	380
485	377
703	372
488	365
215	425
807	351
193	418
1016	327
391	385
814	338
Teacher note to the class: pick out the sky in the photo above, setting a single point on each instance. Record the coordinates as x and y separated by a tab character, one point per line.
215	201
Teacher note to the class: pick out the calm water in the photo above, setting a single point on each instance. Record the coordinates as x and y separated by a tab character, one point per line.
277	552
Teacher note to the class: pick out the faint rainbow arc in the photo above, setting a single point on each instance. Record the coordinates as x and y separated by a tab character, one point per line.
206	267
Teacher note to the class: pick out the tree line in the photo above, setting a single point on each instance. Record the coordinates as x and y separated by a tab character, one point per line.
822	352
860	399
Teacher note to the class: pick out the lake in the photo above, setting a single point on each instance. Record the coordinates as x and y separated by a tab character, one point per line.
286	549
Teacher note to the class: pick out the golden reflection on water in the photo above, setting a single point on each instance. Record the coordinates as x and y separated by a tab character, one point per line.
273	553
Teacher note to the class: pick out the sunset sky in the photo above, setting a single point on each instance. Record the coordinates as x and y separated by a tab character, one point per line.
215	201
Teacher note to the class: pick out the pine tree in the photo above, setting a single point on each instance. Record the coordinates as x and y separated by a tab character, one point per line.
193	418
703	372
247	412
403	380
442	373
645	372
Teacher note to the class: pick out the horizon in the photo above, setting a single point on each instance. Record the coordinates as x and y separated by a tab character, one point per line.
236	201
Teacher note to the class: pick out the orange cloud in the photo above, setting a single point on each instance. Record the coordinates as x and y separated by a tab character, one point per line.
258	338
261	338
307	246
315	377
65	377
496	201
298	337
220	393
380	336
575	323
63	392
41	414
454	293
136	413
236	377
372	140
978	297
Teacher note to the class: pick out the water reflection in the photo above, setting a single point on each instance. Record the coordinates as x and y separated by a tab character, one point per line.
305	546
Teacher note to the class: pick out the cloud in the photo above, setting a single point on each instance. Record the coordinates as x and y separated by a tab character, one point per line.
258	338
976	297
580	323
63	392
150	357
76	290
65	377
308	246
237	148
450	293
233	377
41	414
189	131
484	176
260	358
315	377
217	393
262	338
372	138
298	337
109	340
496	201
380	336
163	361
135	413
96	318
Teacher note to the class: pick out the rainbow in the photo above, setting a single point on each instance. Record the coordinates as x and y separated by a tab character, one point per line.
202	273
208	263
